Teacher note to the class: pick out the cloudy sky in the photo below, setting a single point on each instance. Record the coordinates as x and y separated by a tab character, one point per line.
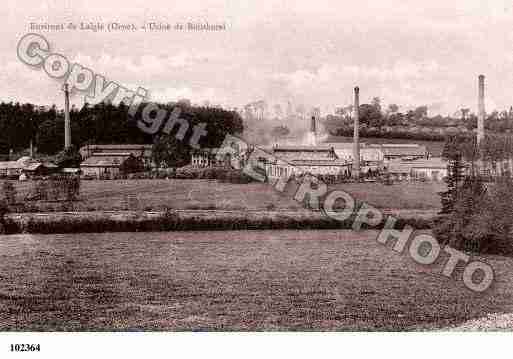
309	52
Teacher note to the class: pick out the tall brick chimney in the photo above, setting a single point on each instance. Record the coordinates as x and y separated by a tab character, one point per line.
356	135
67	124
481	109
313	126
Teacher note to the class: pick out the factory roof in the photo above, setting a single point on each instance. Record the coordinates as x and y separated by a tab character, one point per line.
134	149
407	166
320	163
402	149
344	145
302	148
299	153
9	165
33	166
430	163
118	146
105	161
21	163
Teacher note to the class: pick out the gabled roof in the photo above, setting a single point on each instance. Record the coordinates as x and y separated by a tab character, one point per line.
431	163
105	161
9	165
134	149
320	163
402	150
32	166
344	145
302	149
117	147
22	163
407	166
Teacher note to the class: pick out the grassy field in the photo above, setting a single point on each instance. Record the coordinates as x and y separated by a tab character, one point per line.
400	196
204	194
251	280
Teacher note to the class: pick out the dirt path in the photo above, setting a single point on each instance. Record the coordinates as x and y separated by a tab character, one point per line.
492	322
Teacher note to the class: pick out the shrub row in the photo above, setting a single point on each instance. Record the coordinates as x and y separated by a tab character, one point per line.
221	174
171	221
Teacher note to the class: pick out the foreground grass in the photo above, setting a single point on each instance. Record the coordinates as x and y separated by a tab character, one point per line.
253	280
204	194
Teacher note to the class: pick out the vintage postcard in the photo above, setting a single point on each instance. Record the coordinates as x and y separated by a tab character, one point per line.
261	166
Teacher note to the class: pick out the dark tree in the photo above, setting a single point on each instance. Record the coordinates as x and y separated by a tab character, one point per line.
455	173
170	152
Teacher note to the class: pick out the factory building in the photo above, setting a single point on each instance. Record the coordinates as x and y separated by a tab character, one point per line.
142	152
406	151
369	155
110	165
207	158
433	169
299	160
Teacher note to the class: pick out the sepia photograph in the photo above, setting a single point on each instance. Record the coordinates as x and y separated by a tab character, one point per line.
254	171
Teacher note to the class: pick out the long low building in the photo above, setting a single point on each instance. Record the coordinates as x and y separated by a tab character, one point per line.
110	165
379	153
433	169
299	160
143	152
402	151
314	167
27	166
369	155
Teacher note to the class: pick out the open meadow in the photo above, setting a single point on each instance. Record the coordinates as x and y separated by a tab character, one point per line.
233	280
212	195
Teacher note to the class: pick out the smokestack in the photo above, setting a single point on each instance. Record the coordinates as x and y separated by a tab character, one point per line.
481	109
313	128
356	135
67	125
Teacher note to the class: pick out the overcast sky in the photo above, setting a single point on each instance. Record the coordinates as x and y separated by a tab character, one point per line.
310	52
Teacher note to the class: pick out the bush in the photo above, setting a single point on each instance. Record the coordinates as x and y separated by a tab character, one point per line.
9	193
481	220
186	173
72	187
235	176
4	209
41	189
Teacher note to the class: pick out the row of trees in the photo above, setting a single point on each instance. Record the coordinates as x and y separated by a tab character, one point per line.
101	123
373	118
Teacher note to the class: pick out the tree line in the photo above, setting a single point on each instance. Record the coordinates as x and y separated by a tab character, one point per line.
413	124
103	123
